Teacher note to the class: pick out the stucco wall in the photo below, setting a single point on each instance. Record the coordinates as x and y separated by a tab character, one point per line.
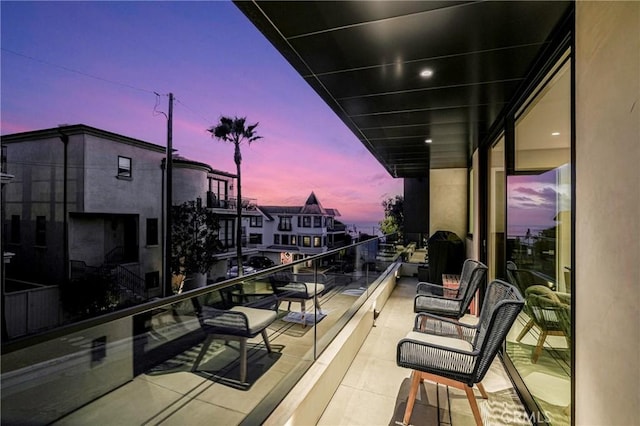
607	291
448	201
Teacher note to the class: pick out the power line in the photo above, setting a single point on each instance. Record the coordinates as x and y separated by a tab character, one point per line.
205	120
62	67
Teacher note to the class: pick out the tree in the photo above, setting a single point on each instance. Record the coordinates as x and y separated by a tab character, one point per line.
393	222
235	131
194	236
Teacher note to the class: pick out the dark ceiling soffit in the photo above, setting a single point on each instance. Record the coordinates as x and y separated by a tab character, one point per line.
261	21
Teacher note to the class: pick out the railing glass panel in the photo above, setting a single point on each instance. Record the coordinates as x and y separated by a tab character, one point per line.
193	356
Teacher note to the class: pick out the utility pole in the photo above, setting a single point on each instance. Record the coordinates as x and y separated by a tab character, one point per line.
168	200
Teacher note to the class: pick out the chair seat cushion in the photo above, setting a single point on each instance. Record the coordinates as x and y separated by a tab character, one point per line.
258	320
447	342
306	290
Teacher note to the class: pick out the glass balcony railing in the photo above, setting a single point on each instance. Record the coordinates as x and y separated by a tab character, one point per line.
229	351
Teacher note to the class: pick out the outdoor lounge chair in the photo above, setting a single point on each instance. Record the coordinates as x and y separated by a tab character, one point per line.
440	355
429	300
238	323
288	290
550	312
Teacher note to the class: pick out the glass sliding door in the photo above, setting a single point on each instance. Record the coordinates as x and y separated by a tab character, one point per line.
496	203
539	244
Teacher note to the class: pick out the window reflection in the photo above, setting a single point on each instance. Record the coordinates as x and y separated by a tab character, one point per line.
538	245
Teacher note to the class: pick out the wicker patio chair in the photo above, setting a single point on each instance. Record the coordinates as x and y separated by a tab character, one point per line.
238	323
473	273
550	312
439	353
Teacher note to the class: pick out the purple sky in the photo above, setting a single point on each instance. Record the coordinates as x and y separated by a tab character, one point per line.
215	63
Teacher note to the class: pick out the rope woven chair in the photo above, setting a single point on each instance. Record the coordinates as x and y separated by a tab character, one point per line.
455	354
550	312
238	323
473	272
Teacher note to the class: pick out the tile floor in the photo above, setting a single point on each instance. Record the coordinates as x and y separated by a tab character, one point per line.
374	391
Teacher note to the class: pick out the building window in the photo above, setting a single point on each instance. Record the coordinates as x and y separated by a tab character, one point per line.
255	221
285	239
124	167
15	229
152	280
317	241
317	221
41	230
306	241
276	238
293	240
330	222
306	221
255	238
3	160
285	223
152	232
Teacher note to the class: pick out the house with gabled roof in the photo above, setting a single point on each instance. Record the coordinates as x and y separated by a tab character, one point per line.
294	232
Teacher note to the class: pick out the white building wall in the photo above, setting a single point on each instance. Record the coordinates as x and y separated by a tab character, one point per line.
607	292
106	193
448	201
189	183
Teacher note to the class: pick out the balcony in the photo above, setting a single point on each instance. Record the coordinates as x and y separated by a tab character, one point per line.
230	203
137	366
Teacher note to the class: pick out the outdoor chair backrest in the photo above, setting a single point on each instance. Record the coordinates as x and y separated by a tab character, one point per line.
502	304
473	272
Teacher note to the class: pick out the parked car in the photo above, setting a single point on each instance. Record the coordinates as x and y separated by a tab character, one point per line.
246	270
260	262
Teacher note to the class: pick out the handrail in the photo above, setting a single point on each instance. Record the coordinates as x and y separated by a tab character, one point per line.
27	341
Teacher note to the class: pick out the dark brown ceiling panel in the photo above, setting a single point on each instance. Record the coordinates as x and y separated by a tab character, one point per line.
364	58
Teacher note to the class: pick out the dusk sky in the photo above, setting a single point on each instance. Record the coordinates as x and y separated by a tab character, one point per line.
99	64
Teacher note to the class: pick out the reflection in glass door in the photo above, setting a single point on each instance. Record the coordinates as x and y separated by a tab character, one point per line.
495	249
539	245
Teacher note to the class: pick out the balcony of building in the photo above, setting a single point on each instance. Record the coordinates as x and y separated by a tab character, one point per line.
333	363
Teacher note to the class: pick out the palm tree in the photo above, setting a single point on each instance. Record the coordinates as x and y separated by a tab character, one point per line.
234	130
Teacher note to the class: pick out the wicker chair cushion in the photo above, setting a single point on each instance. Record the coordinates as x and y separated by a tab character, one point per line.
434	339
256	320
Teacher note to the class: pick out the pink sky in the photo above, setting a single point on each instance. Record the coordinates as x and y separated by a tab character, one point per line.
57	56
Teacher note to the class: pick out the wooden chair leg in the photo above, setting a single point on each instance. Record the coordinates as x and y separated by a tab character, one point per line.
474	405
525	330
483	392
243	360
415	384
538	350
205	347
266	340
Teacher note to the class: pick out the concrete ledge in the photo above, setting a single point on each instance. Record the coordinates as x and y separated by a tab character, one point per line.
306	402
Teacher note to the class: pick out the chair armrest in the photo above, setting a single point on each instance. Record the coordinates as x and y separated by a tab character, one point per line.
436	304
434	324
424	287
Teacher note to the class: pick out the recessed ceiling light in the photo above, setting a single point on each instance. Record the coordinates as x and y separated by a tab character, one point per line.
426	73
555	134
428	141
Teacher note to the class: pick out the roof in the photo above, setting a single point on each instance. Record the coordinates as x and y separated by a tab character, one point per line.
311	207
77	129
